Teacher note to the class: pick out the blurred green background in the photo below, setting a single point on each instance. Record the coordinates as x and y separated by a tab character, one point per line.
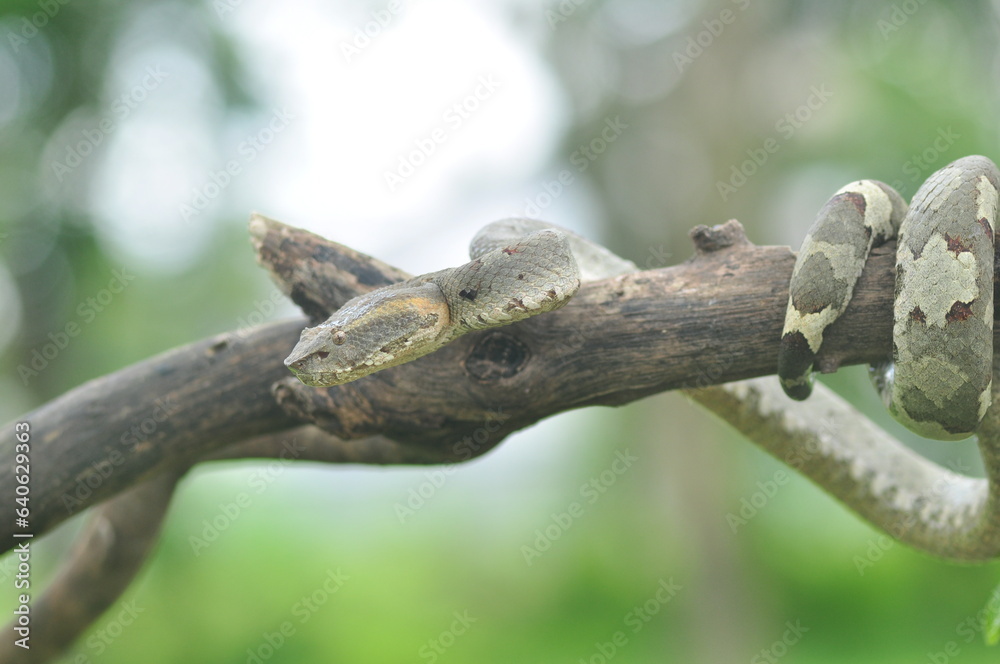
138	136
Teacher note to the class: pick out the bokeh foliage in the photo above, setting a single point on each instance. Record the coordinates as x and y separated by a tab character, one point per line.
906	87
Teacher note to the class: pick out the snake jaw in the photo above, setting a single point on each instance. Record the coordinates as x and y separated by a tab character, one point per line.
377	330
519	268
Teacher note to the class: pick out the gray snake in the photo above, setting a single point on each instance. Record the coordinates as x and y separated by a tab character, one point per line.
937	382
519	268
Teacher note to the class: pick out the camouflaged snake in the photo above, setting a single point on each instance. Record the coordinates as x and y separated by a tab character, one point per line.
937	384
938	381
519	268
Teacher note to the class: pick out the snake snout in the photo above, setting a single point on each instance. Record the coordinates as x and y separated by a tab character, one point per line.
378	330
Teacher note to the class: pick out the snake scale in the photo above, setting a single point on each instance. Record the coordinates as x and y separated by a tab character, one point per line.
937	384
938	381
519	268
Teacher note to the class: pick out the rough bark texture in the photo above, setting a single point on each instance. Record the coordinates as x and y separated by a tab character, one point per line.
712	319
121	532
716	318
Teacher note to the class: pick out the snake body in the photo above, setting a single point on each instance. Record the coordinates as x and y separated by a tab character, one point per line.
938	382
519	268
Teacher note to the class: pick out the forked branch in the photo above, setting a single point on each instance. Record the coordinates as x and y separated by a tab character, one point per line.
713	319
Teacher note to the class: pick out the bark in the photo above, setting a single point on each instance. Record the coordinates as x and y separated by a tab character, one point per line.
120	534
712	319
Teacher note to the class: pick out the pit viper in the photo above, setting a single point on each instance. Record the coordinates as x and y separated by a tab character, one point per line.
937	384
519	268
938	380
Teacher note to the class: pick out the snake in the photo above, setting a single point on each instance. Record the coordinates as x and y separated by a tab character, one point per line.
519	268
937	379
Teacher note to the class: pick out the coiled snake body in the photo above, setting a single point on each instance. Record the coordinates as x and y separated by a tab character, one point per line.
938	383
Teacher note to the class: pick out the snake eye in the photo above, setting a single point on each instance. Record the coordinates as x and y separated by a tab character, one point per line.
339	337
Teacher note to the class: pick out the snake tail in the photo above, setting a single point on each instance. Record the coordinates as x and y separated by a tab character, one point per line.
859	216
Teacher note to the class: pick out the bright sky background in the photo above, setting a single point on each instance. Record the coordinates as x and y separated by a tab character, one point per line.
342	126
340	122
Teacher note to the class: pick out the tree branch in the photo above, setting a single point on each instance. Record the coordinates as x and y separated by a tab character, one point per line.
892	487
120	534
105	558
712	319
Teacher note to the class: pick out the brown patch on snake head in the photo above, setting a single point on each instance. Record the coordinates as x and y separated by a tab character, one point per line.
520	277
510	251
551	294
957	244
959	311
982	221
858	200
468	293
516	303
918	315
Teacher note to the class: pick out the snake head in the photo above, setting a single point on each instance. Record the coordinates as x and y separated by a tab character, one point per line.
377	330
